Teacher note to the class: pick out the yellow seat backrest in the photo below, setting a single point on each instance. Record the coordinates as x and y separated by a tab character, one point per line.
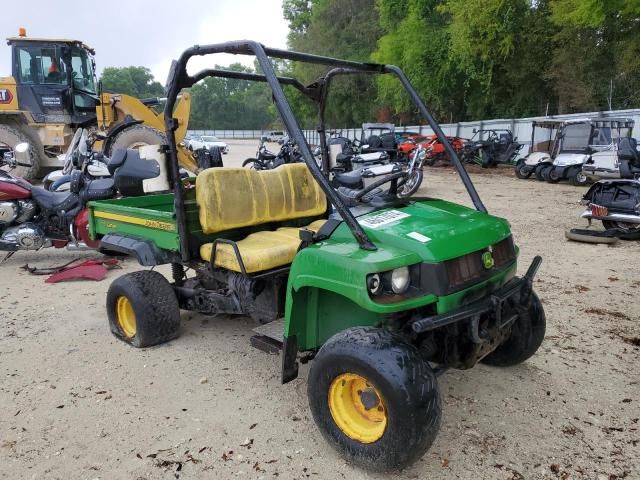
231	198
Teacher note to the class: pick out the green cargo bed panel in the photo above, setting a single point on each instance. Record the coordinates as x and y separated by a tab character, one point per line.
149	217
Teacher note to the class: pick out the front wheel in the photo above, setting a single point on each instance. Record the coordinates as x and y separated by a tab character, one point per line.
374	398
411	184
522	169
625	231
527	334
143	309
136	136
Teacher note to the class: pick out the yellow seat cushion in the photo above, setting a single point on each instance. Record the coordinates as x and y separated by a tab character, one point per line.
260	251
230	198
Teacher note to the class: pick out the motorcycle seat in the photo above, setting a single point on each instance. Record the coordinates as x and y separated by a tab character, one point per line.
117	160
99	189
54	201
352	180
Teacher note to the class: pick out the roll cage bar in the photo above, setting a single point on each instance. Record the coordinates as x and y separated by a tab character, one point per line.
318	91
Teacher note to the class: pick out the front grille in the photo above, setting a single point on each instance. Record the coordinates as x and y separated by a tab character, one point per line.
464	269
504	252
470	268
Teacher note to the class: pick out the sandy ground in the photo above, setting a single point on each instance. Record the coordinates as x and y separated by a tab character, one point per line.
75	403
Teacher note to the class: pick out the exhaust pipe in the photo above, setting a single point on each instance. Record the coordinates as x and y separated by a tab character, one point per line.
615	217
78	247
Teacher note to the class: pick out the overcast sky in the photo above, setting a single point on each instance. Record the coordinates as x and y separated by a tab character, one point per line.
144	32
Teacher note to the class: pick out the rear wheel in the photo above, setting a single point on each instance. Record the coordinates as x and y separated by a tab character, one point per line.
143	309
10	136
578	178
540	170
522	170
552	175
374	398
527	334
626	231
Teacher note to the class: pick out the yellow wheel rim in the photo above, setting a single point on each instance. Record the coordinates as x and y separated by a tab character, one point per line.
126	317
357	408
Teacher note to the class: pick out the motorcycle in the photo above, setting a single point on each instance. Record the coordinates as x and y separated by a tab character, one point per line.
93	165
616	203
363	182
32	217
79	156
267	160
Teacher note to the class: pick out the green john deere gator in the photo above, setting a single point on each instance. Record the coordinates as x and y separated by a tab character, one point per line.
380	293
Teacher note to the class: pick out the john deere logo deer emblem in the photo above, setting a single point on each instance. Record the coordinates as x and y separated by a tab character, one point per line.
5	96
487	260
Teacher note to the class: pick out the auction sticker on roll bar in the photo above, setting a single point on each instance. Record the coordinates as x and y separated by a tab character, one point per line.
380	219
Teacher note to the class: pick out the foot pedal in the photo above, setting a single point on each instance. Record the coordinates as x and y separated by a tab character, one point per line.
269	336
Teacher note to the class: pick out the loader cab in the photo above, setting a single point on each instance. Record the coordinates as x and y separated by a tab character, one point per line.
55	79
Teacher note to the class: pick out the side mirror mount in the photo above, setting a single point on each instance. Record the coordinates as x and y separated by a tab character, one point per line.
475	130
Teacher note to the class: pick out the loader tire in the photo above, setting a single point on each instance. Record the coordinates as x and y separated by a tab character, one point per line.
135	137
10	136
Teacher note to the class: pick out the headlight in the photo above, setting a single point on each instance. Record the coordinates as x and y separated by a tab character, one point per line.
400	280
374	284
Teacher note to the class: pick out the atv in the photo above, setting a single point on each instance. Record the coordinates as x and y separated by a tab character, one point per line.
381	293
500	146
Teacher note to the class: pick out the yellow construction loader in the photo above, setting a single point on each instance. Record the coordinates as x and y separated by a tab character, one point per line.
53	90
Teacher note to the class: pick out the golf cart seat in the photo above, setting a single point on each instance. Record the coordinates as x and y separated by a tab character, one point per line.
232	198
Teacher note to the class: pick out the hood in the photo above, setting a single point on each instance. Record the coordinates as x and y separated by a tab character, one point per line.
432	230
570	159
535	158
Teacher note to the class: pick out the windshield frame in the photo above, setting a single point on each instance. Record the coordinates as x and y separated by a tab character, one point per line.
87	63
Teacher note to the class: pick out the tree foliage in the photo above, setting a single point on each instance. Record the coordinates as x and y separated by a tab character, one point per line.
224	103
469	59
135	81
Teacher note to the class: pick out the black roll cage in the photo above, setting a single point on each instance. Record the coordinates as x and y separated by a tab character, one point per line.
318	91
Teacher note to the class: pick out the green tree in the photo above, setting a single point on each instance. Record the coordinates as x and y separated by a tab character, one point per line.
341	28
224	103
501	46
135	81
597	56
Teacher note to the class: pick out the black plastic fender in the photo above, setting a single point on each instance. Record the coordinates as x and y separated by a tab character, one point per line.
145	251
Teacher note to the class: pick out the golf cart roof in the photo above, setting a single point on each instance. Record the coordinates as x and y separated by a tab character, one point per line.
317	92
549	123
378	126
596	121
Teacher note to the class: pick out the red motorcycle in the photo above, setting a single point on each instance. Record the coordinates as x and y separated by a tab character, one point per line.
32	217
